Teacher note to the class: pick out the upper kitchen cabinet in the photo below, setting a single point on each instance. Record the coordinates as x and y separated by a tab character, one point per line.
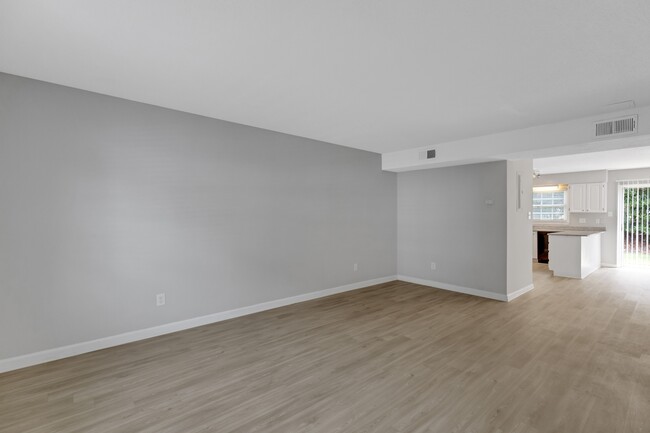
588	197
597	197
578	197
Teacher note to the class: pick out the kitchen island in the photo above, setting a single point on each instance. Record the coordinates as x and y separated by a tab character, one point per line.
574	254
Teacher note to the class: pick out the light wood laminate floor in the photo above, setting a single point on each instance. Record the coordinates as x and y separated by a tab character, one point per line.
570	356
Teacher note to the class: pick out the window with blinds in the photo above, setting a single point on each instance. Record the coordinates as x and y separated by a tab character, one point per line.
550	206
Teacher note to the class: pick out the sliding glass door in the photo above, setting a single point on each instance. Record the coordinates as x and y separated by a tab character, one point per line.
634	217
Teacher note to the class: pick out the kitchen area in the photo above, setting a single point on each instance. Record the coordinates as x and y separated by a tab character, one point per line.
576	250
562	236
585	220
592	210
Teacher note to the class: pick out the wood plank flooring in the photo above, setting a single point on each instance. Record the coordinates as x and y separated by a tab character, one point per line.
570	356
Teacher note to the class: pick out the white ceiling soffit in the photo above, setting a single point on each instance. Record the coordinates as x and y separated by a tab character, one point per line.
381	76
620	159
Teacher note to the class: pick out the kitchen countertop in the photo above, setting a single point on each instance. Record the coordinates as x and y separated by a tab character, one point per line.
562	228
576	233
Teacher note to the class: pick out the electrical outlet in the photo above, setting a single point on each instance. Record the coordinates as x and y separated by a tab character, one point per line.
597	220
356	267
433	266
160	299
610	214
582	220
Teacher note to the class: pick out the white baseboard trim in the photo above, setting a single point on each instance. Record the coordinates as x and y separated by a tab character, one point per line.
608	265
454	288
518	293
30	359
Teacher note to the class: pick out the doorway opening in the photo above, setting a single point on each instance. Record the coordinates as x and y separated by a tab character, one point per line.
634	218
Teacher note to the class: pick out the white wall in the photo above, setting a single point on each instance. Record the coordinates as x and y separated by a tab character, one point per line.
577	177
443	217
106	203
519	247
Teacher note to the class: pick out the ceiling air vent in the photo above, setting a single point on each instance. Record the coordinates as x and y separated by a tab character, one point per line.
428	154
623	125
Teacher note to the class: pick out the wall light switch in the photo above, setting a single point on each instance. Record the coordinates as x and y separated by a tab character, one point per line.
610	214
356	267
489	202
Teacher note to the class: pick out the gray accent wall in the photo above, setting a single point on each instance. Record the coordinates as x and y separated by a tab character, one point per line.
443	217
107	202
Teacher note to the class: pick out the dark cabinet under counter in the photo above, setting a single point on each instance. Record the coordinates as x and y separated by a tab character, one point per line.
542	245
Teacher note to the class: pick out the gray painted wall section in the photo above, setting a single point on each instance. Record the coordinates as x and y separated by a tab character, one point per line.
443	217
107	202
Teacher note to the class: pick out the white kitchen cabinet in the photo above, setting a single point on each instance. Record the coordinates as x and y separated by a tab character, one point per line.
573	254
588	197
596	197
578	197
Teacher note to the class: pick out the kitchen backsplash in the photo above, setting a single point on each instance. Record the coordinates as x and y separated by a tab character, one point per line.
589	219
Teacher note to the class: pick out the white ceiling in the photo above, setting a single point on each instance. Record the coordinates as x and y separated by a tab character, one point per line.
376	75
621	159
